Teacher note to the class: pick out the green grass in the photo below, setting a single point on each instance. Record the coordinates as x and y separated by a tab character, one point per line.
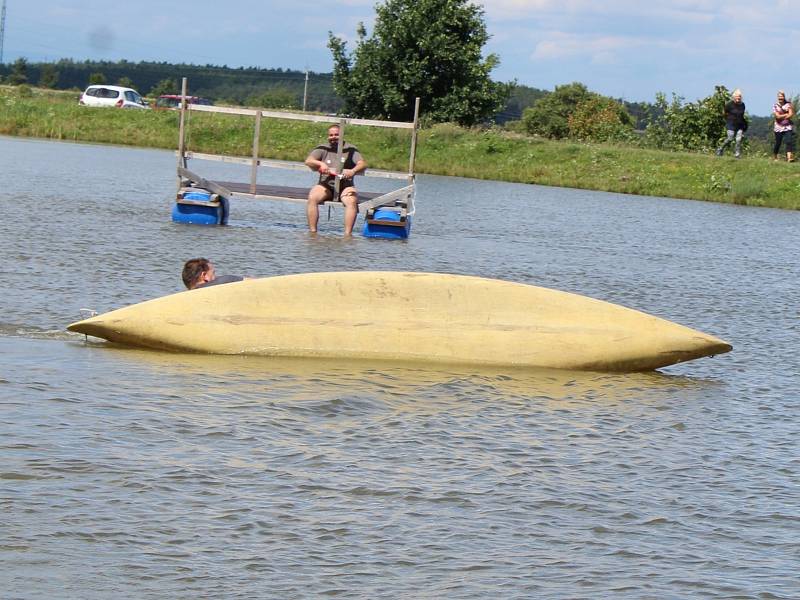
492	154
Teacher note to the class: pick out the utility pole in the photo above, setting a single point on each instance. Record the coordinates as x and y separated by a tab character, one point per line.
305	89
2	30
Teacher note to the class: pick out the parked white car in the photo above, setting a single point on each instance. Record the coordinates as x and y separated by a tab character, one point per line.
112	95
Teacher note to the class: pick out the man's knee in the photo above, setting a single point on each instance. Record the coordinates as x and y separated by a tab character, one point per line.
349	197
319	194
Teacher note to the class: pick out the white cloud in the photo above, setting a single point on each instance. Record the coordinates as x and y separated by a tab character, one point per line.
675	11
561	45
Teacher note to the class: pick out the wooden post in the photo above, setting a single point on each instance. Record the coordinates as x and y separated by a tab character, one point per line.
413	157
182	130
254	166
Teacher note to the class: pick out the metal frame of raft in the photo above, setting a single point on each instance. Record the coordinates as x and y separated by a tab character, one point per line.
204	201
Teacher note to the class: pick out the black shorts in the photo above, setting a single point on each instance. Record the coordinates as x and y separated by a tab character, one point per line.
330	186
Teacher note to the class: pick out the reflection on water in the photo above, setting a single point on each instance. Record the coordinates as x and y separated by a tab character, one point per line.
403	383
196	476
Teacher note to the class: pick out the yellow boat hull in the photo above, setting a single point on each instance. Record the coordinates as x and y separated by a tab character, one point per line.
400	316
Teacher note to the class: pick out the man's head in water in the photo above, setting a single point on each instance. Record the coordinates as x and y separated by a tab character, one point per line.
198	271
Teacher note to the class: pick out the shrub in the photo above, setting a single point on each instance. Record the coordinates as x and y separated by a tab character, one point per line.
690	126
549	116
575	112
600	119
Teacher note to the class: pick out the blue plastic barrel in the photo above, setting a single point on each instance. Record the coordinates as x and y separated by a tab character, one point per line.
378	230
200	214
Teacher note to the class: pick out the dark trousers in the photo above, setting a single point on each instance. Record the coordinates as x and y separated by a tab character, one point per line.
788	137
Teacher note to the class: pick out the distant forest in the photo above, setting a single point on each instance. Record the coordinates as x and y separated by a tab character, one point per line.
223	84
269	88
239	86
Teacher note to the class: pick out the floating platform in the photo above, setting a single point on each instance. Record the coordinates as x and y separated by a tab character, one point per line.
275	192
205	202
398	203
401	316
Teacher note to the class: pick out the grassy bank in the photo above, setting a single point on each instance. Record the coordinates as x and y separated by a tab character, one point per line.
443	150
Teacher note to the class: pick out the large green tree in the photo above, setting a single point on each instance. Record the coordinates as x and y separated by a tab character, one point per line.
429	49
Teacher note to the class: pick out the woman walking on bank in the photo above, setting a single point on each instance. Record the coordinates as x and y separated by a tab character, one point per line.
735	123
783	112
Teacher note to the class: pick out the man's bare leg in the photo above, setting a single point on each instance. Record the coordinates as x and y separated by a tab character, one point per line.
316	196
350	201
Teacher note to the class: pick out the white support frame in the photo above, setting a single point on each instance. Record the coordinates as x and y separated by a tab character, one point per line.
403	197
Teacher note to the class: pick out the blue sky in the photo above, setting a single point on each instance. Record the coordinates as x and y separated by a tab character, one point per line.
623	48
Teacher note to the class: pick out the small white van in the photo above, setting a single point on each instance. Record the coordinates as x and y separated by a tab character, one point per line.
112	95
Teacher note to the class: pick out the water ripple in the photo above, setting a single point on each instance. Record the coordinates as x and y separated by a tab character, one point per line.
244	477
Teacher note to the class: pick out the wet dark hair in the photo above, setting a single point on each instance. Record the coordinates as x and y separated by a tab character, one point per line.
193	269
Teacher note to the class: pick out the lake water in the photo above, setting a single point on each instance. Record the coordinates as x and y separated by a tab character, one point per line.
137	474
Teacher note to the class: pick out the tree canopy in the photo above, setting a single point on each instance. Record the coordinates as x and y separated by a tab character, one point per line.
19	72
429	49
165	86
48	76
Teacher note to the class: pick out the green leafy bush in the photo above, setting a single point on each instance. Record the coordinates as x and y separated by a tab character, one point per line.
688	126
572	111
600	119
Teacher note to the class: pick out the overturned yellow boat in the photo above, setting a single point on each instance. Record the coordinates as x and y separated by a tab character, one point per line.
401	316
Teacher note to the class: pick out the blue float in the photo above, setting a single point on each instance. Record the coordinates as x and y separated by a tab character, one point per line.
200	207
387	223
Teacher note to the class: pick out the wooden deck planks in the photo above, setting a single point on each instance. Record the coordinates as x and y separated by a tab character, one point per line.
282	191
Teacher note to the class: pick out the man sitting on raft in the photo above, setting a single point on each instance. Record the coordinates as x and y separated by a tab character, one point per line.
200	272
323	160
